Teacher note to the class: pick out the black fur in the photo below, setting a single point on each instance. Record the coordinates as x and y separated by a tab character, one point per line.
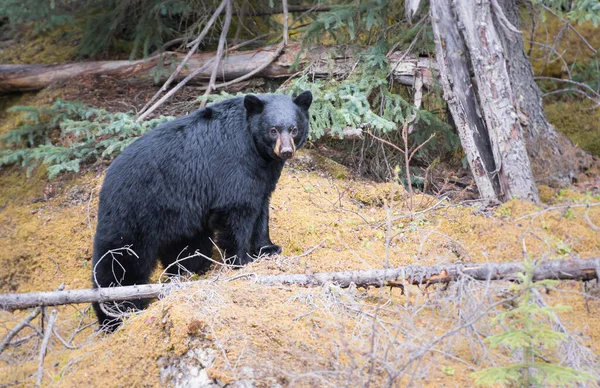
206	174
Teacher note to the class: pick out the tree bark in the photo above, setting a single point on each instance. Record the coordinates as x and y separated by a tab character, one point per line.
572	269
35	77
496	100
471	33
554	158
461	99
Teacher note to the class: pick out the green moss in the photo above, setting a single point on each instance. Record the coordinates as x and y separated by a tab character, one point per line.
579	121
55	46
332	167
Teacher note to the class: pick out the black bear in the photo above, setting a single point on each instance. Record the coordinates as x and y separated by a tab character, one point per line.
203	176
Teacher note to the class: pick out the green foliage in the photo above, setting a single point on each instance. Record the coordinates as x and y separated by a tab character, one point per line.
579	11
140	27
368	23
45	15
346	22
528	333
66	134
587	73
146	25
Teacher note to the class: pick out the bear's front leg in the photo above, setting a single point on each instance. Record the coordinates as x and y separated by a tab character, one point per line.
261	242
238	228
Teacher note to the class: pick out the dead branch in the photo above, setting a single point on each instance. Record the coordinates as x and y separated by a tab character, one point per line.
25	322
323	63
571	269
14	331
195	45
47	335
220	48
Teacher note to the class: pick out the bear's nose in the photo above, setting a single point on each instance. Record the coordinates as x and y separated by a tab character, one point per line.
286	153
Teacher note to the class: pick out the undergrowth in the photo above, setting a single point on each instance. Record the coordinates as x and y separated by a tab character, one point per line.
67	134
528	336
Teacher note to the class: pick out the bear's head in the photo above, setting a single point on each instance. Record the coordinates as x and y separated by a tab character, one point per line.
279	124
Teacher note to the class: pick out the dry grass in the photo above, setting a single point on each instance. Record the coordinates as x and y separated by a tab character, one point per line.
296	336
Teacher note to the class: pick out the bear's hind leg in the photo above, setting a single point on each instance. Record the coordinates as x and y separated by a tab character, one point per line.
119	267
181	258
235	230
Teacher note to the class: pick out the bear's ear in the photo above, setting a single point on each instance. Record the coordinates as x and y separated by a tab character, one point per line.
304	100
253	104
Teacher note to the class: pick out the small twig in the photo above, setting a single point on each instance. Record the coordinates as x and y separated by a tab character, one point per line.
195	45
40	373
575	90
585	41
62	340
568	81
587	219
285	21
20	341
79	327
196	254
19	327
387	142
309	251
450	333
561	207
220	48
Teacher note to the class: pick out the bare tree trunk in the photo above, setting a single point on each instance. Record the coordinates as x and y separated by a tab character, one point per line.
483	53
554	158
460	96
496	99
572	269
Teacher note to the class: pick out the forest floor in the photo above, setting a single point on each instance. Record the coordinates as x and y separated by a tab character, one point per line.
231	331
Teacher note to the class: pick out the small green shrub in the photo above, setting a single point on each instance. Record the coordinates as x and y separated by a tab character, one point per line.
67	133
528	334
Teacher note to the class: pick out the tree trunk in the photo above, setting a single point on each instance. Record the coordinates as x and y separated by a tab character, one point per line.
460	97
554	158
473	35
321	59
573	269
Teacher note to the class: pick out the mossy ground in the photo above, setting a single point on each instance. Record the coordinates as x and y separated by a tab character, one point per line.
286	335
51	47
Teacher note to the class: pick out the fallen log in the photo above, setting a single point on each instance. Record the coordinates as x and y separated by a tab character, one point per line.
571	269
321	61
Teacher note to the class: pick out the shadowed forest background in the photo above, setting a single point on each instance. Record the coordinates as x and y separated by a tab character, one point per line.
443	135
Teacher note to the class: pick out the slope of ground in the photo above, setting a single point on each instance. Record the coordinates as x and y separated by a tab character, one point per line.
224	332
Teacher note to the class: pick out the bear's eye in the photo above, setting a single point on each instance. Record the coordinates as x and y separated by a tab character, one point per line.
294	131
274	132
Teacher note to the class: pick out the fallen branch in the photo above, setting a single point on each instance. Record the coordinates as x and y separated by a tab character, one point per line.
40	372
571	269
25	322
14	331
237	64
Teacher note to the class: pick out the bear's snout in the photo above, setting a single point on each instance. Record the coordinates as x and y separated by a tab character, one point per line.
287	153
